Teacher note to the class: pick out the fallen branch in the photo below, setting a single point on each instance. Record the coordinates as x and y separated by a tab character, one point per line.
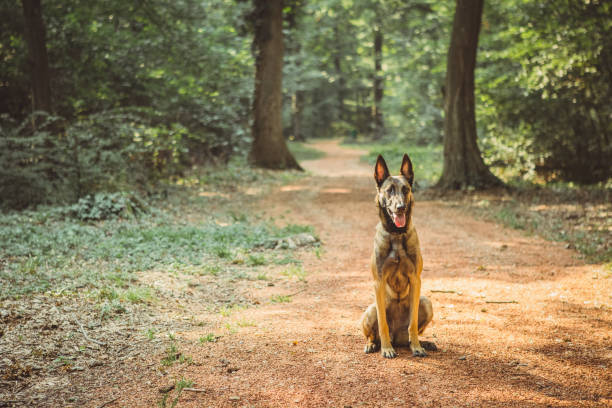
108	402
194	389
501	301
299	291
442	291
86	336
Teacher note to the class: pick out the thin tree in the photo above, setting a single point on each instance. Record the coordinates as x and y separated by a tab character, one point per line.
269	148
463	164
37	55
377	115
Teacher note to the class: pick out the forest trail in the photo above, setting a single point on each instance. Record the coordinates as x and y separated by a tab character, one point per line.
550	347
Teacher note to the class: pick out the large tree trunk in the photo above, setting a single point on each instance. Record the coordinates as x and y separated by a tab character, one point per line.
463	164
269	149
377	116
37	55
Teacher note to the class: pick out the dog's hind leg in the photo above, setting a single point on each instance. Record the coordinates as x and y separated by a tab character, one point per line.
425	317
425	313
369	325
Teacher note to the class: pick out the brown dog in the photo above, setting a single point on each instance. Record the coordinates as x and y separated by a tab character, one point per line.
399	314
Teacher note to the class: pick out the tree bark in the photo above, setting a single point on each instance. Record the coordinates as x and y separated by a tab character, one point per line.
377	115
296	115
269	148
293	46
463	164
37	55
341	80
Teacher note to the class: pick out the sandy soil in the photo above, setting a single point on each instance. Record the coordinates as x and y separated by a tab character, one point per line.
552	346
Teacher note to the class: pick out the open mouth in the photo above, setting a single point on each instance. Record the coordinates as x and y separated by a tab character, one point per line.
399	219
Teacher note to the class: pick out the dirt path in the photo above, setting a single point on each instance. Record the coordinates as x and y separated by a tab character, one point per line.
552	347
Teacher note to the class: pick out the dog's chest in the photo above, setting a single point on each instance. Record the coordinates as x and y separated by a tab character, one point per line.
398	267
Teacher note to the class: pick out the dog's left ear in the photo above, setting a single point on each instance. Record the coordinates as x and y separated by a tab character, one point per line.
406	169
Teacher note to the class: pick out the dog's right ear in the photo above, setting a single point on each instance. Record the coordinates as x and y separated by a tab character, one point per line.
381	172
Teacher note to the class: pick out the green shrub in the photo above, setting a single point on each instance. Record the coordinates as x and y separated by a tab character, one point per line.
102	206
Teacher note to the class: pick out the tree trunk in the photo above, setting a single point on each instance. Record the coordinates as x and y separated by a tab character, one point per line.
341	82
269	149
293	47
296	115
37	55
377	116
463	164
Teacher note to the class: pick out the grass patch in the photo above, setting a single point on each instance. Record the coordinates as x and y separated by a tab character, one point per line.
302	151
173	355
295	271
41	251
226	311
137	295
246	323
209	338
179	386
150	333
256	260
280	299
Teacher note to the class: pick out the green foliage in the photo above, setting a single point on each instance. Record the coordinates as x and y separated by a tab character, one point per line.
280	299
544	90
296	271
99	152
166	85
45	250
209	338
180	384
103	206
329	68
256	260
161	86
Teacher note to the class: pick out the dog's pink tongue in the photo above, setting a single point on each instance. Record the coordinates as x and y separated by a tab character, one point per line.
399	220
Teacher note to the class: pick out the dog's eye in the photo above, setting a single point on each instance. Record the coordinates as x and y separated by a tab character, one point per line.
405	190
392	189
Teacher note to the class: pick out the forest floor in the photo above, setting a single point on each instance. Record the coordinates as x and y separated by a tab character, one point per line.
518	321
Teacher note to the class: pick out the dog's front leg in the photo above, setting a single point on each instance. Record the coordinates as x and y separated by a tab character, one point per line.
383	327
414	296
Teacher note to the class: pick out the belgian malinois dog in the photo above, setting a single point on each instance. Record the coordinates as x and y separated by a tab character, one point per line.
400	314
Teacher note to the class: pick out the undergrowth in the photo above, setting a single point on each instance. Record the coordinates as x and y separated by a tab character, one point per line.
584	224
45	250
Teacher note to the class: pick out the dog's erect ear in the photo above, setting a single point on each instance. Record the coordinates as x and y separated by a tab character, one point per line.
406	169
381	172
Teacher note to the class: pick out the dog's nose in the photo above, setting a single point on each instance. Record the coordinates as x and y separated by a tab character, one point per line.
401	207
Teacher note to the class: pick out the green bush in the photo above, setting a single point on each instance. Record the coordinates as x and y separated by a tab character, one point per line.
109	151
102	206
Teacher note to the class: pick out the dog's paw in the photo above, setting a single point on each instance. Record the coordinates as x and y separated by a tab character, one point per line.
418	351
370	348
429	345
388	353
